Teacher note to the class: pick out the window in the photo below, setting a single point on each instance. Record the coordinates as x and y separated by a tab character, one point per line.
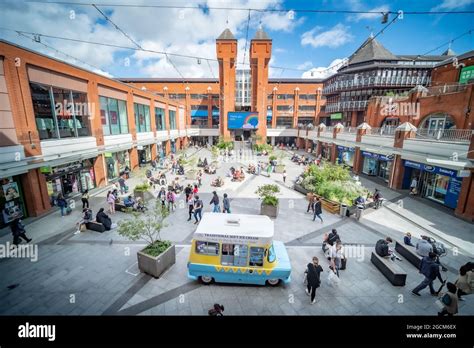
59	113
113	115
256	256
172	116
160	119
199	107
271	254
285	96
234	255
306	107
207	248
142	118
177	96
198	96
285	122
283	107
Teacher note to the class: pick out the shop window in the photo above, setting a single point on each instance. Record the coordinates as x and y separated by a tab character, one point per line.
234	255
207	248
160	119
142	118
81	113
44	115
64	113
172	119
113	115
256	256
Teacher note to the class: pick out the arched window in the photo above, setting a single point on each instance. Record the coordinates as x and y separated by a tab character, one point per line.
437	121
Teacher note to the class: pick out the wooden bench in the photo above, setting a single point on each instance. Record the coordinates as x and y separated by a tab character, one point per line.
120	207
95	226
389	269
409	253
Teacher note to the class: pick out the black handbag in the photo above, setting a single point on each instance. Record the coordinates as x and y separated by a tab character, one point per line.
343	263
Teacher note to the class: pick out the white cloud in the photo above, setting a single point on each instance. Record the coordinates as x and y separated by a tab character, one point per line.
452	4
323	72
334	37
369	16
305	65
186	31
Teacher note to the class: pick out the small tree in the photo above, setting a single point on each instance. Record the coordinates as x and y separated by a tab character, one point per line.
268	194
215	152
147	226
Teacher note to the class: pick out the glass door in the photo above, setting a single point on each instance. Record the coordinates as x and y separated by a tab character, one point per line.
436	125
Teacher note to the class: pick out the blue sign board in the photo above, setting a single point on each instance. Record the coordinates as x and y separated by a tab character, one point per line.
198	113
242	120
452	194
343	148
377	156
431	169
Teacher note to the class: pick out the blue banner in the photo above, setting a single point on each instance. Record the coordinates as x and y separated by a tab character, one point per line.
242	120
343	148
377	156
431	169
198	113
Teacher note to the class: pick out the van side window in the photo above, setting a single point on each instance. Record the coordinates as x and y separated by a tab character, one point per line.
207	248
234	255
271	254
256	256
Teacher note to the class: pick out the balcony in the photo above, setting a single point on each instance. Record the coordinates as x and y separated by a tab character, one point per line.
378	81
445	135
446	89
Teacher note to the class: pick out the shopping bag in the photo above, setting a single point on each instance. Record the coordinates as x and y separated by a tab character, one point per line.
333	279
305	278
68	210
83	228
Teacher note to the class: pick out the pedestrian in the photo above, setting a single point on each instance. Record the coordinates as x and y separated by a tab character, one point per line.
85	199
199	178
337	255
313	272
450	301
215	201
153	165
430	269
195	189
197	209
111	202
423	247
284	176
378	199
188	190
311	202
226	203
18	231
317	209
171	198
329	240
259	168
269	170
407	239
62	204
190	202
465	282
162	196
414	186
123	185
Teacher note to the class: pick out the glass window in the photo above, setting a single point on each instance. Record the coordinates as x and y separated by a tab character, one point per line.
63	108
207	248
104	118
44	115
146	110
160	118
123	116
81	113
112	105
234	255
172	119
142	117
256	256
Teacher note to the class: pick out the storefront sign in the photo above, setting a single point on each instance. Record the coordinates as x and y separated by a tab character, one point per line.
242	120
46	169
464	173
139	147
431	169
377	156
467	73
343	148
107	154
452	194
336	116
12	208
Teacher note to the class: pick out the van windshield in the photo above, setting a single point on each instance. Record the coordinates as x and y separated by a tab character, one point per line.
271	254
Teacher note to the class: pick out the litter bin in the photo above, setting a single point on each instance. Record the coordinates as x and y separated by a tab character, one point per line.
343	210
358	212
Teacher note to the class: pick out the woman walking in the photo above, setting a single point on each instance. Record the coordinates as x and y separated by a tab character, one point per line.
190	206
313	272
317	210
62	204
111	202
85	199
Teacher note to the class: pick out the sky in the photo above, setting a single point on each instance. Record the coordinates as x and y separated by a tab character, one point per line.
304	44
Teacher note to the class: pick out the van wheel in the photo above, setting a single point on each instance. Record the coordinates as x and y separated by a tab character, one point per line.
273	282
206	280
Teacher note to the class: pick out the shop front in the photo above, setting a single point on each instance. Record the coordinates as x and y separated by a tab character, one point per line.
117	163
12	204
144	154
69	179
438	184
377	165
160	150
345	155
326	151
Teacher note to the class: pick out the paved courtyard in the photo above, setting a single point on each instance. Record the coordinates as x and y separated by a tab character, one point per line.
95	274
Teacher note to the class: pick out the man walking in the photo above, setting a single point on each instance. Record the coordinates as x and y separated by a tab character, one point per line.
284	176
215	201
313	272
317	210
430	269
197	209
123	186
226	203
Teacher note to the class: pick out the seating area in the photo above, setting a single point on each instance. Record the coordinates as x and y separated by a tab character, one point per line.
393	272
409	253
95	226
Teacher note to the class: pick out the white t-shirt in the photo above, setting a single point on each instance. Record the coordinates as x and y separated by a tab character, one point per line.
414	183
338	254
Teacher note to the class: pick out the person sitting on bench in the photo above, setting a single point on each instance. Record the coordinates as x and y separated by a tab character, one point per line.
359	200
129	201
104	219
407	239
382	248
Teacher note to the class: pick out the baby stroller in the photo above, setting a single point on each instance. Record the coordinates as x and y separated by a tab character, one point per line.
217	310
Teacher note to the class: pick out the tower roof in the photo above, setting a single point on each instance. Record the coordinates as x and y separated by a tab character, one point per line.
448	52
371	49
261	35
226	35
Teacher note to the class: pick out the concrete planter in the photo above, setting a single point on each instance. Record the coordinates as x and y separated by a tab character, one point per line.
144	195
155	266
300	189
269	210
279	168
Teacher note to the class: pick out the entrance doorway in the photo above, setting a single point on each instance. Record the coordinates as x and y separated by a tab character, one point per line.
435	186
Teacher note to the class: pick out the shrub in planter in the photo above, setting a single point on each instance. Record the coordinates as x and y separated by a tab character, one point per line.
158	255
269	205
141	191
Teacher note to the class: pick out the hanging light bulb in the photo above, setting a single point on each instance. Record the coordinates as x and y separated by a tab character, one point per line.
384	17
199	61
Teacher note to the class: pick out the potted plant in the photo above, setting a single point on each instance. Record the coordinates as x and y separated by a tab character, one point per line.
158	255
269	206
142	191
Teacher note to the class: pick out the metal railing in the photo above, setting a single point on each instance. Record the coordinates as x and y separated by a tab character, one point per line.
378	81
382	131
446	135
445	89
